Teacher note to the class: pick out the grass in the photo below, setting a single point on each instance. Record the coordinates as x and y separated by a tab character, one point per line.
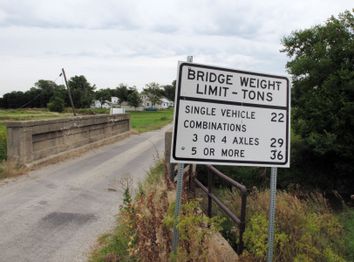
29	114
347	220
3	139
147	121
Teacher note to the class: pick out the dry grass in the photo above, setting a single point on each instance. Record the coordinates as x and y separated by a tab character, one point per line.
9	169
140	234
144	229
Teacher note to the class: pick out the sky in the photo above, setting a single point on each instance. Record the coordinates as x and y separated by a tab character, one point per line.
138	42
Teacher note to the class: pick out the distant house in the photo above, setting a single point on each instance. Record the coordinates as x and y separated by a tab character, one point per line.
99	104
96	104
146	103
105	104
114	100
164	103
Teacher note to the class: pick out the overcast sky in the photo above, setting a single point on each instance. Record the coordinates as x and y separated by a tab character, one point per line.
137	42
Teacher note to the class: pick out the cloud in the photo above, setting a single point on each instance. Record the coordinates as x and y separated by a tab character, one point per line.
69	14
141	41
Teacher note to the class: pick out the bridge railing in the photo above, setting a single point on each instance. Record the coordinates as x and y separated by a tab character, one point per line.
240	220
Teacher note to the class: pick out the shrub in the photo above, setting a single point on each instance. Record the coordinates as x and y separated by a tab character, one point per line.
194	230
256	235
347	218
56	104
306	229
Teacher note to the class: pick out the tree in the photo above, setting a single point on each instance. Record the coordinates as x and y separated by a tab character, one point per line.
38	96
14	99
153	92
46	91
104	94
134	98
322	69
122	92
169	91
82	91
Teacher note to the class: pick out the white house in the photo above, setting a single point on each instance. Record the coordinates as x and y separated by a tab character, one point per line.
105	104
96	104
164	103
114	100
146	103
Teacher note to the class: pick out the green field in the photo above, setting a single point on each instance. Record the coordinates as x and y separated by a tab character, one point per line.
29	114
147	121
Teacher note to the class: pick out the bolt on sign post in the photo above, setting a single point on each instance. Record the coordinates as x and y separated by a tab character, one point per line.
231	117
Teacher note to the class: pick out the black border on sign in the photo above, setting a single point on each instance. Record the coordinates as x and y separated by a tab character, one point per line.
223	102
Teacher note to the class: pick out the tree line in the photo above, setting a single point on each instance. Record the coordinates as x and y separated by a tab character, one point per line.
46	93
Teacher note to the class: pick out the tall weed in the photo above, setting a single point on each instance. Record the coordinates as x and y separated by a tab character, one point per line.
144	230
306	228
194	228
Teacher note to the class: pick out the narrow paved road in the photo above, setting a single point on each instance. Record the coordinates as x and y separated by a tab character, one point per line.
56	213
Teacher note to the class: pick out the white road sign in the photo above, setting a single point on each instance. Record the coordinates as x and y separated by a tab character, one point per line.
231	117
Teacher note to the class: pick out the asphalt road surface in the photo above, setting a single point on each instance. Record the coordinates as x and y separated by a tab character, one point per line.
56	213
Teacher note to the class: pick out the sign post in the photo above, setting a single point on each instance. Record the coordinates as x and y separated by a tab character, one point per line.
179	189
271	229
232	117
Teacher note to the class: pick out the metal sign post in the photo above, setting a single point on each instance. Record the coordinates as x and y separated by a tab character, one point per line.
179	189
271	226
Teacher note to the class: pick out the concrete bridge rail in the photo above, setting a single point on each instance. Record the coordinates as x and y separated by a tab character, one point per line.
30	142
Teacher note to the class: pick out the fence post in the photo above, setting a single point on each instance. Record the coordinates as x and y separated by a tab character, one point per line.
210	186
242	226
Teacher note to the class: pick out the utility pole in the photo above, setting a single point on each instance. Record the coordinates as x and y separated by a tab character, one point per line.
69	92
